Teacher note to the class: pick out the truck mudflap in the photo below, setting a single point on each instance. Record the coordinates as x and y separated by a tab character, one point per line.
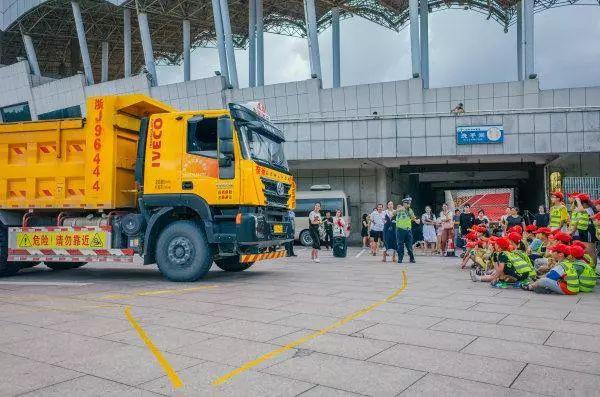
261	257
64	244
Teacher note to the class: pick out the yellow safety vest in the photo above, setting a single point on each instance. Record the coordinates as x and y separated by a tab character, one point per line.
571	277
556	215
582	219
520	264
587	276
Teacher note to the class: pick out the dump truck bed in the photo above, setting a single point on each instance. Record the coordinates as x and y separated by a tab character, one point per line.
75	163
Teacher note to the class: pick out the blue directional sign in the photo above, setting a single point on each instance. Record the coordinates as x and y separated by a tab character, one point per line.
474	134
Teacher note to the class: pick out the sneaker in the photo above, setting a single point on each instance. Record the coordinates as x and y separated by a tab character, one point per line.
412	261
474	276
317	260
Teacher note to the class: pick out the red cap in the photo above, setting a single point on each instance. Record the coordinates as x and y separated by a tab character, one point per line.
579	244
471	244
503	243
573	195
585	198
493	239
597	216
530	228
562	237
562	248
544	230
597	202
481	229
576	251
558	194
471	236
516	229
515	237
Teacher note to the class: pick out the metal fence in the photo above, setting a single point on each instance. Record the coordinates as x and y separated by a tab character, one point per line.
585	184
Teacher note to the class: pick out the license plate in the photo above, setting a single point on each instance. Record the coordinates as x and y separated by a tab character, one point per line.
278	229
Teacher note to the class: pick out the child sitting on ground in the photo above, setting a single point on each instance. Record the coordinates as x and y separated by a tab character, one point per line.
585	273
562	278
510	267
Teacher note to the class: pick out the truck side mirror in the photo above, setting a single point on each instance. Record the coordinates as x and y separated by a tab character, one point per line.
226	147
224	131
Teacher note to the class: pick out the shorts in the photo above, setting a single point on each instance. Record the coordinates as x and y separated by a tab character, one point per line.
376	236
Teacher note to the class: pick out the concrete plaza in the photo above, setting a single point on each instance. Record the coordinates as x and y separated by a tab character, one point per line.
439	334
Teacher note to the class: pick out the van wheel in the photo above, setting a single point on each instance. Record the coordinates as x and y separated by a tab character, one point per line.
232	264
6	268
305	238
182	252
64	265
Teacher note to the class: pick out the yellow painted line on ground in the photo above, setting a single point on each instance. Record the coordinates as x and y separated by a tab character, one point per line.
158	292
171	374
304	339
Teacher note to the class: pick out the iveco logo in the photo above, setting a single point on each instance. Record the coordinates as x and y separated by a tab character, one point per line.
280	189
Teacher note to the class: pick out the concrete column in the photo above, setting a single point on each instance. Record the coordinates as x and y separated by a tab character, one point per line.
233	78
216	6
335	43
313	38
31	56
83	48
415	46
381	183
260	47
104	74
252	43
520	40
127	42
186	49
147	46
424	36
529	47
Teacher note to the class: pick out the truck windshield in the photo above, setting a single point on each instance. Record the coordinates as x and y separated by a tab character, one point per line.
263	148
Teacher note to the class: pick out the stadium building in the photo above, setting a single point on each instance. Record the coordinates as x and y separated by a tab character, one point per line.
374	141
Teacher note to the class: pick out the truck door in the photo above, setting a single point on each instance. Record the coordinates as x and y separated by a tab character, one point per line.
200	164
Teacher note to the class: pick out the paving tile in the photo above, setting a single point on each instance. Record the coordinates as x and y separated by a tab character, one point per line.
468	315
248	330
573	327
311	308
339	345
260	303
418	337
347	374
573	341
442	302
446	386
130	365
93	326
89	386
557	382
60	347
584	317
322	391
254	314
469	297
182	320
20	375
316	322
19	332
405	320
551	312
41	318
197	382
232	351
535	354
507	332
322	300
460	365
166	338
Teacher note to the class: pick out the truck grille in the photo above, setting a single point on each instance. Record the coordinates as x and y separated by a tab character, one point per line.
275	199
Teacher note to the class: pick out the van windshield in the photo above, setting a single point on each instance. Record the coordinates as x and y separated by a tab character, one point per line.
305	206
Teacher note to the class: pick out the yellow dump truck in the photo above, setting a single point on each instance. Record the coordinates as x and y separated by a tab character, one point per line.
181	189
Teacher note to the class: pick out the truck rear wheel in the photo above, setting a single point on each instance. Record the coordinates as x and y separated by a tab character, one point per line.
232	264
64	265
182	252
6	268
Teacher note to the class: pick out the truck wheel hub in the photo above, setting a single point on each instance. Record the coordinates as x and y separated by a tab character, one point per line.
180	250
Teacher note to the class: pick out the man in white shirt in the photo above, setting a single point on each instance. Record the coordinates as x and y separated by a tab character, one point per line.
376	233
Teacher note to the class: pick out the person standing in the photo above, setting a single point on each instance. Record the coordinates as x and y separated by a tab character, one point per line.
389	232
289	246
364	230
314	219
456	221
447	226
328	225
377	218
514	219
404	218
542	218
429	236
467	220
558	211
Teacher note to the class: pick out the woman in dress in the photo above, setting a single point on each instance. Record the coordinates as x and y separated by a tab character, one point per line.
429	235
364	231
389	232
314	219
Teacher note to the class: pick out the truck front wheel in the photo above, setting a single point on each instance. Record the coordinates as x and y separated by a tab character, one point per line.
6	268
233	264
64	265
182	252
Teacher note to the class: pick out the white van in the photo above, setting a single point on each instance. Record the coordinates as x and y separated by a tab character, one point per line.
330	200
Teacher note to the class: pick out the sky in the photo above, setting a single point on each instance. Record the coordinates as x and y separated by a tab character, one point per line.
464	48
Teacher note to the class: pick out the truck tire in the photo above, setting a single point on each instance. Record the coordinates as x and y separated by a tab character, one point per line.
233	264
6	268
182	252
64	265
305	238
